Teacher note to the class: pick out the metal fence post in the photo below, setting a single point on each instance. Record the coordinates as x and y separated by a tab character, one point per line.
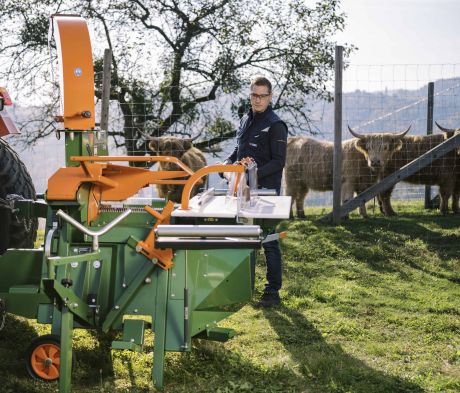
429	131
106	90
337	162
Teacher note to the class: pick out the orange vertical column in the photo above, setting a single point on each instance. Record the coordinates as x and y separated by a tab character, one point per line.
76	72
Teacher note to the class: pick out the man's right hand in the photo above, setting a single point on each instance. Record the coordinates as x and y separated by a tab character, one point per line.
221	174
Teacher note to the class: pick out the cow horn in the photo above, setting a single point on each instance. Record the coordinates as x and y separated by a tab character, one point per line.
355	134
401	134
445	129
144	134
194	138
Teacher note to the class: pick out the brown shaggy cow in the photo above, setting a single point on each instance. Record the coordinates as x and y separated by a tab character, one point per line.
309	165
184	151
386	153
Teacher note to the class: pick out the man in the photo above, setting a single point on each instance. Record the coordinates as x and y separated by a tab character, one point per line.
262	135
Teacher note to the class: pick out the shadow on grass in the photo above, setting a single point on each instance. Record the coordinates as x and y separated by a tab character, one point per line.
375	240
14	340
396	232
326	367
94	360
211	368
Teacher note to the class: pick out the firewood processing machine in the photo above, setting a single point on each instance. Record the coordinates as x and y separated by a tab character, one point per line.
112	261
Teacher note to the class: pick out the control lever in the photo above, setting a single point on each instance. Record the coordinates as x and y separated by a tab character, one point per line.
95	234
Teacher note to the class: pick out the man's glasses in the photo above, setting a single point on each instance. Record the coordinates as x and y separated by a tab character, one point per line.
255	96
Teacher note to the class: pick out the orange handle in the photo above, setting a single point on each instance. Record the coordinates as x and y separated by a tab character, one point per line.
201	173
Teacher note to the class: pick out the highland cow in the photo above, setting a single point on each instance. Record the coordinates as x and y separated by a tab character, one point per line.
185	152
386	153
309	166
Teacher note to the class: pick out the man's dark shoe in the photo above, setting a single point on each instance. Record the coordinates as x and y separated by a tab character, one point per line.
268	299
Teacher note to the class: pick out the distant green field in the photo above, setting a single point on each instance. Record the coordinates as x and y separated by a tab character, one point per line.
369	306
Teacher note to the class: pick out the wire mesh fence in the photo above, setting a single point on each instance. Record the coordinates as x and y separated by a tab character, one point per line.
383	98
376	99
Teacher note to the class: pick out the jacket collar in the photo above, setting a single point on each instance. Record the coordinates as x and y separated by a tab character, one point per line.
259	115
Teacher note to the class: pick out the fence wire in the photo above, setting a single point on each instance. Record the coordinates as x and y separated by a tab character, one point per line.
383	98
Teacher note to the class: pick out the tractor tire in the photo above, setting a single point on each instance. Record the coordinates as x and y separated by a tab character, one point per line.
15	184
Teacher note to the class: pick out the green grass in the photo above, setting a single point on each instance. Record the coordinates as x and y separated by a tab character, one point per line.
368	306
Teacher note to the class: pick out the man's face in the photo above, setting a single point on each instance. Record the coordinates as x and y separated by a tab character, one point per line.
260	98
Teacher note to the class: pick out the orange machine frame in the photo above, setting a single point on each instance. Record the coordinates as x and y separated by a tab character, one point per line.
117	183
76	71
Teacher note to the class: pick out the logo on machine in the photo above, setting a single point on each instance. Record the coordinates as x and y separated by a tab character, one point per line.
77	71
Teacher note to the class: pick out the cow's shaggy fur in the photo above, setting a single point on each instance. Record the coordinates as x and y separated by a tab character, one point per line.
309	166
387	153
184	151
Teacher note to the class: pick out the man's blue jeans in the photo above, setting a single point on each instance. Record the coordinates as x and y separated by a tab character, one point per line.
273	261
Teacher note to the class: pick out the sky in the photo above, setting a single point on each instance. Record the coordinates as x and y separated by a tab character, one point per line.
403	31
418	38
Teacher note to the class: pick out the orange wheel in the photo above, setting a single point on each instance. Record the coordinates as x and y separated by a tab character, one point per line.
43	358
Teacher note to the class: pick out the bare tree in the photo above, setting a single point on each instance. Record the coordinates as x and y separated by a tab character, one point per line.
174	62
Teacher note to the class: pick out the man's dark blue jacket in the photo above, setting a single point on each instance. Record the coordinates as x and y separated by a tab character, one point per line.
262	136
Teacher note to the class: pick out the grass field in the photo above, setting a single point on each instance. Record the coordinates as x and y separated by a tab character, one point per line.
369	306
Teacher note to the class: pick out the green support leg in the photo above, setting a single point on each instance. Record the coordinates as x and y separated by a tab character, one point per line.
65	369
161	306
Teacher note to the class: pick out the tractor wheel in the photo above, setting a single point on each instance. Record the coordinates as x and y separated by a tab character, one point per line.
43	358
15	183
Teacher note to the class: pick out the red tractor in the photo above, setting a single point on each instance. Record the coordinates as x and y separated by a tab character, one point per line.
15	184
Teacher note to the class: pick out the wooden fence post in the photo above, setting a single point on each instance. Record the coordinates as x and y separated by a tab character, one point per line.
337	162
429	131
106	90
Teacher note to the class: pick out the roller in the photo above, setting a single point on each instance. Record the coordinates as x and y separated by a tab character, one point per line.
201	231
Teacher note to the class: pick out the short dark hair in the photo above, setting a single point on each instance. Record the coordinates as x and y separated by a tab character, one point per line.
261	81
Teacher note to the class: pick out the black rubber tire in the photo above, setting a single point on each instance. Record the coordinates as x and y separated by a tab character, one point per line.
15	183
45	339
39	341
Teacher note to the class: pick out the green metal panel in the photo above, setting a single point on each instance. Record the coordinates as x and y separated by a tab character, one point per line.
216	334
20	272
20	267
45	313
126	304
81	143
131	346
72	301
133	335
30	208
220	284
84	269
24	304
228	276
121	235
24	289
177	276
133	331
175	340
138	218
